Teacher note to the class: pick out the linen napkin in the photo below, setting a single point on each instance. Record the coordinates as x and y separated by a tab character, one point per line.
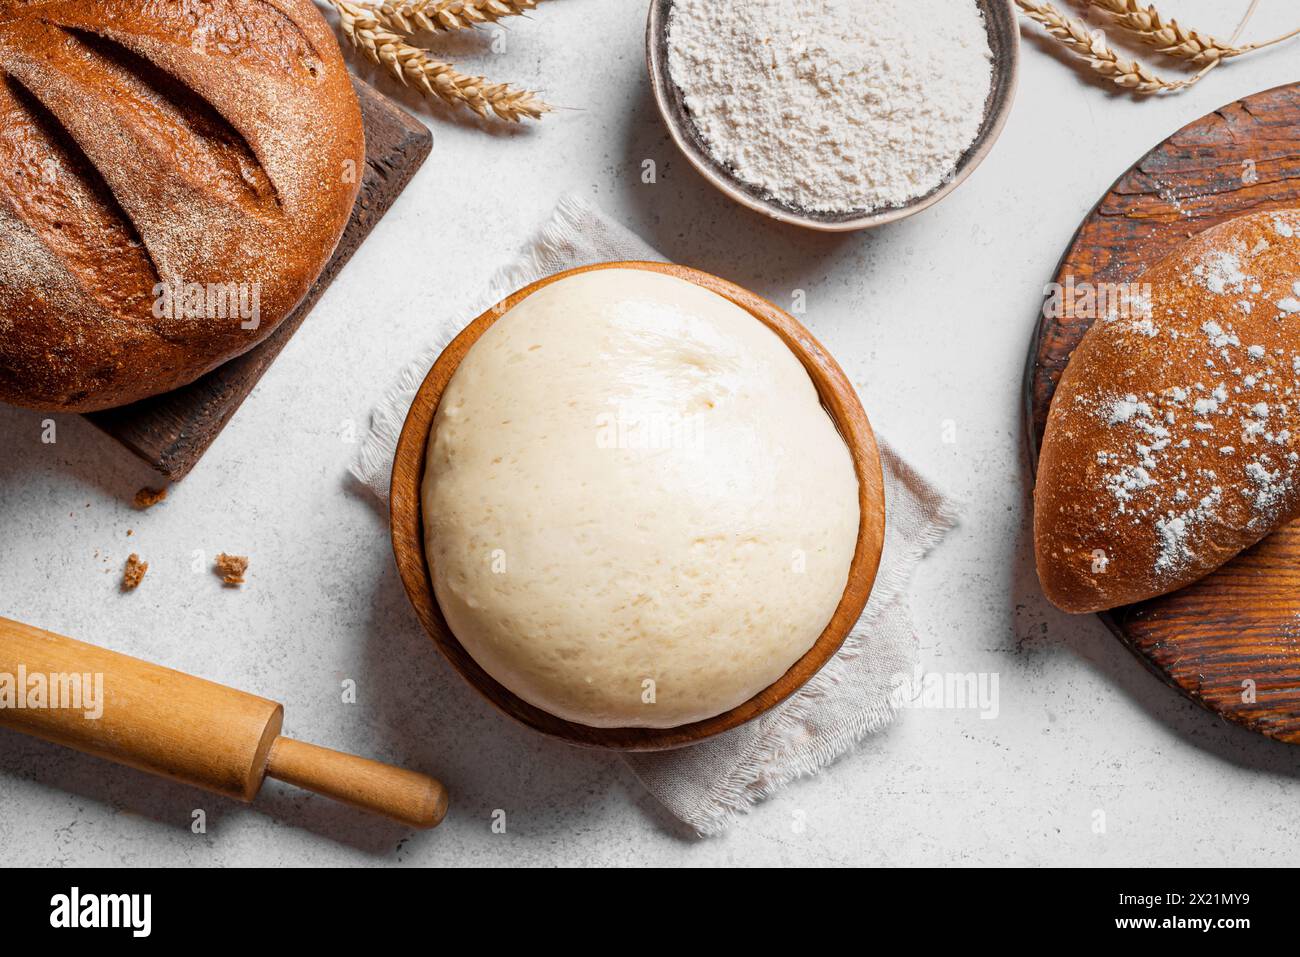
855	694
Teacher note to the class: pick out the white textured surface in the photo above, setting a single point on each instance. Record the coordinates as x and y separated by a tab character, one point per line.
930	317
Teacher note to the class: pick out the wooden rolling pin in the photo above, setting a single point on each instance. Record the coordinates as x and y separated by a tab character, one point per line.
196	731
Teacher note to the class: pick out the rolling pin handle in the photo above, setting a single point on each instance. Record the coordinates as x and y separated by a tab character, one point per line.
407	797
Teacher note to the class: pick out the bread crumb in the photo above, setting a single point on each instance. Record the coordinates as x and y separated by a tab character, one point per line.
149	497
133	573
231	568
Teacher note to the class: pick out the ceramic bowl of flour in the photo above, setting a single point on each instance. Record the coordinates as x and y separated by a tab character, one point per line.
785	124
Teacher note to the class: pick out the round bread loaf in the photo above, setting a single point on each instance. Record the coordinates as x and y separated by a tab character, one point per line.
173	177
637	511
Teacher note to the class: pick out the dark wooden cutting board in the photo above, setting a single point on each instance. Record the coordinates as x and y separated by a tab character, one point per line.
171	431
1232	640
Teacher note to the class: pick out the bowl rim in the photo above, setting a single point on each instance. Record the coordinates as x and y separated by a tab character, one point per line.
841	402
1002	94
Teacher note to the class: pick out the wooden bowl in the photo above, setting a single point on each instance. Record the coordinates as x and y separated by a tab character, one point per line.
837	396
1004	42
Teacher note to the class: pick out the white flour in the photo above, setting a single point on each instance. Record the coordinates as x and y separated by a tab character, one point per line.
834	105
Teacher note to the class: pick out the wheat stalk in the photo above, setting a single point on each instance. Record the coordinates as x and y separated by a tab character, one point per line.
1148	26
1093	49
415	16
435	78
1146	23
1151	28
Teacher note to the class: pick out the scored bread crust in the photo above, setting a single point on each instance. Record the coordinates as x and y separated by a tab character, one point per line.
1171	442
173	178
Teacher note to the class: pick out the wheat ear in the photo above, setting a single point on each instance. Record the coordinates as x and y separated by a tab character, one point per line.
1093	49
415	16
435	78
1148	26
1145	22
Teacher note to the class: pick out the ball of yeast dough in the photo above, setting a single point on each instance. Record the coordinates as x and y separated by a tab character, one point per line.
637	512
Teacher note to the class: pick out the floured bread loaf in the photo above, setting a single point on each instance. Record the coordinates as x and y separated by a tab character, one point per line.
173	178
637	512
1171	444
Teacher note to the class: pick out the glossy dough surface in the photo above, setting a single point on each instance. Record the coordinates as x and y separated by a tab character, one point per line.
1173	439
637	512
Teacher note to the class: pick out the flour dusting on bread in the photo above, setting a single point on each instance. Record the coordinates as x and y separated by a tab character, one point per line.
1172	440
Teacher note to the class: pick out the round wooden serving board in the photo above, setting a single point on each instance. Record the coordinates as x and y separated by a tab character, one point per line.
1231	641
